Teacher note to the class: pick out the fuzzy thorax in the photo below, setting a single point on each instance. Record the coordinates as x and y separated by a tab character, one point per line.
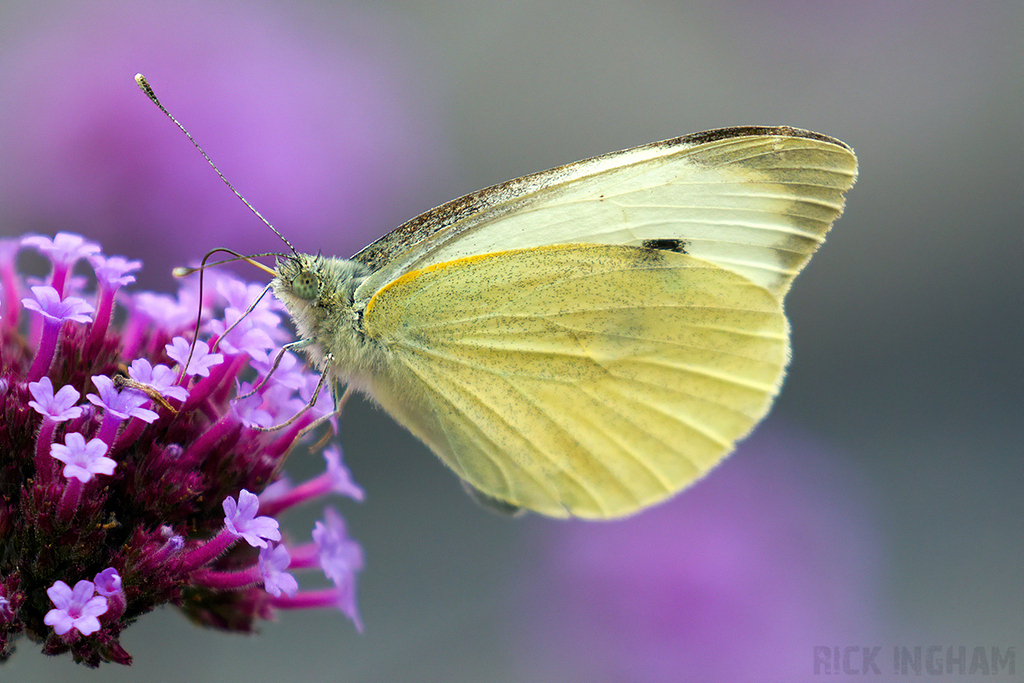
319	294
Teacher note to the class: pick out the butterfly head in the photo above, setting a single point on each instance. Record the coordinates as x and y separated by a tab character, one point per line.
316	289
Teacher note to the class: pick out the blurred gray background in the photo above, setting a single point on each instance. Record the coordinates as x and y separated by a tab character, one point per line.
907	326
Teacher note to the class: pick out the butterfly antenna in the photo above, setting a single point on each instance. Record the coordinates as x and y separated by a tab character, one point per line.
146	88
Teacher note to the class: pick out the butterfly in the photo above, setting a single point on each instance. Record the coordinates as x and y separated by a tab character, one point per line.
589	340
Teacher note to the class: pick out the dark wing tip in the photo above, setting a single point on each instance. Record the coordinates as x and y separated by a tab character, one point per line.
747	131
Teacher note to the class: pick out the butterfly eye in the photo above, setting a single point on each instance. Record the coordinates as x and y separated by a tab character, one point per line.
306	285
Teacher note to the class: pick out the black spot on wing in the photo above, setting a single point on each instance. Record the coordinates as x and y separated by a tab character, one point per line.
666	244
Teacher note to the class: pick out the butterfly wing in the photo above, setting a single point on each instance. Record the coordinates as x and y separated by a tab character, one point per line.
583	380
595	380
757	201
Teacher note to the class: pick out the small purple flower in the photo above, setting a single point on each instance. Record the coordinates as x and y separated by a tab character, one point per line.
58	407
83	460
173	313
238	296
113	271
340	476
48	303
251	411
75	609
108	582
246	337
280	401
64	249
290	372
346	603
241	520
174	544
111	275
108	585
123	404
159	377
340	557
202	359
272	563
55	312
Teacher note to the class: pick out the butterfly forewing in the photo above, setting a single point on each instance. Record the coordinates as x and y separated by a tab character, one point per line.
584	380
757	201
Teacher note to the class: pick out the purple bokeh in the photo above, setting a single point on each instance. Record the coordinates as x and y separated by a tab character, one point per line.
737	579
329	125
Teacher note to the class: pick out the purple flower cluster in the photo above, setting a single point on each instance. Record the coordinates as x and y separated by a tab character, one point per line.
157	486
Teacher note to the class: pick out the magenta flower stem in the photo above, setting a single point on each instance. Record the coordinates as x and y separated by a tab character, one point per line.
10	309
202	389
133	334
47	348
164	553
325	597
208	439
132	431
208	552
60	276
69	500
304	556
318	486
224	389
282	446
229	580
108	428
44	461
104	309
115	607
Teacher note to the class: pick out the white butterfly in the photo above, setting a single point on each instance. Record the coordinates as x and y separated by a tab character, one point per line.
591	339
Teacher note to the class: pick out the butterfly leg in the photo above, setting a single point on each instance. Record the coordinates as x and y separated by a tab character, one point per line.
339	405
295	345
339	401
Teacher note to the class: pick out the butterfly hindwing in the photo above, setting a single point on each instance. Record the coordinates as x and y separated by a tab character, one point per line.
583	380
